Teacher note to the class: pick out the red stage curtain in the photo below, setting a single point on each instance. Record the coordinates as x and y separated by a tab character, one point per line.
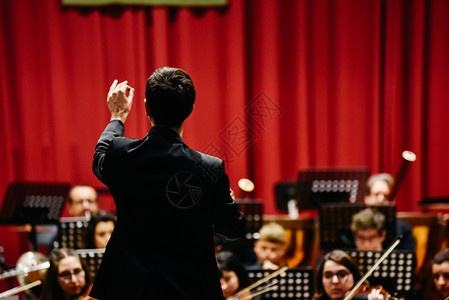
281	85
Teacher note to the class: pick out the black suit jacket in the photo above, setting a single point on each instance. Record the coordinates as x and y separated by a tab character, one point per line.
170	200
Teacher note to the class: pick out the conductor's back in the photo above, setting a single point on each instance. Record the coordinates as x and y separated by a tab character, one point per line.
169	199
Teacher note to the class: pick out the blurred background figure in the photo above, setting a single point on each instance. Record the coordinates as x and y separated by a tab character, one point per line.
377	192
368	228
233	275
99	230
67	278
83	201
378	188
440	273
270	247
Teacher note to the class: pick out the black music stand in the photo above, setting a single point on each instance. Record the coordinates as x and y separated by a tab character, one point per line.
91	258
284	192
396	274
253	211
34	203
72	232
320	186
335	224
295	283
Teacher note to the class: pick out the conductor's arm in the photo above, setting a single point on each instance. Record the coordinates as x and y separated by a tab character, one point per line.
228	220
119	100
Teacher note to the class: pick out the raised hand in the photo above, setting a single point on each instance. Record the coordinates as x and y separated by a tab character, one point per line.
120	100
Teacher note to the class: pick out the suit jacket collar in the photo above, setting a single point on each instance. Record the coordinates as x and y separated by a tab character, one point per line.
165	131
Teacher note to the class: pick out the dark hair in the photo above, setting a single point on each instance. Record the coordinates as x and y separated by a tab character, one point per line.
51	289
441	257
228	261
339	257
101	216
170	96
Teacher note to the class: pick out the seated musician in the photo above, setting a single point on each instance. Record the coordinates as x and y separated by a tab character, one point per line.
337	275
233	275
440	273
83	201
270	247
99	230
368	228
67	278
377	192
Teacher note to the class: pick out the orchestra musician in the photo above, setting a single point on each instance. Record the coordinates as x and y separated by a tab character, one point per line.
233	275
440	273
83	201
270	247
377	191
368	228
99	230
170	199
67	278
337	275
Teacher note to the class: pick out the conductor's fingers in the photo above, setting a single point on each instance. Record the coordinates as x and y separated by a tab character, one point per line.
113	85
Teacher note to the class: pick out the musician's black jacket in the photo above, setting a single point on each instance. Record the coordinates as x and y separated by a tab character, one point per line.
169	201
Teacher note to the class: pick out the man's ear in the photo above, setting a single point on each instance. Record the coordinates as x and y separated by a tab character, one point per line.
148	112
147	107
383	234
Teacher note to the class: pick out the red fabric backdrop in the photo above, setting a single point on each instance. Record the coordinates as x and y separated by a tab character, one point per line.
281	85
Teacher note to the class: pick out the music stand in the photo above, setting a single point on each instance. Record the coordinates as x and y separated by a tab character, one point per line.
335	223
396	273
72	232
285	191
295	283
91	258
319	186
253	211
34	203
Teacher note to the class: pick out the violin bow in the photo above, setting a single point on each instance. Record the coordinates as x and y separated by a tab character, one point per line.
257	283
370	271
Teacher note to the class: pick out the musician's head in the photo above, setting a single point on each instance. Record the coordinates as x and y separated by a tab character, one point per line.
271	244
233	275
368	228
83	200
66	277
440	272
337	274
170	96
100	230
378	188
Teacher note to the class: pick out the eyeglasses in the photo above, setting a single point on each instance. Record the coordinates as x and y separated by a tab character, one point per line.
67	275
341	275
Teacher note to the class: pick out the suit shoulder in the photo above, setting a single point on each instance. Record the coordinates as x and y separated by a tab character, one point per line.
209	159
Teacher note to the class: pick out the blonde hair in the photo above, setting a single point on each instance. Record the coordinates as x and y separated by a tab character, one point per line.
273	232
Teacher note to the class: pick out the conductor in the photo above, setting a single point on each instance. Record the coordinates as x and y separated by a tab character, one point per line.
170	199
